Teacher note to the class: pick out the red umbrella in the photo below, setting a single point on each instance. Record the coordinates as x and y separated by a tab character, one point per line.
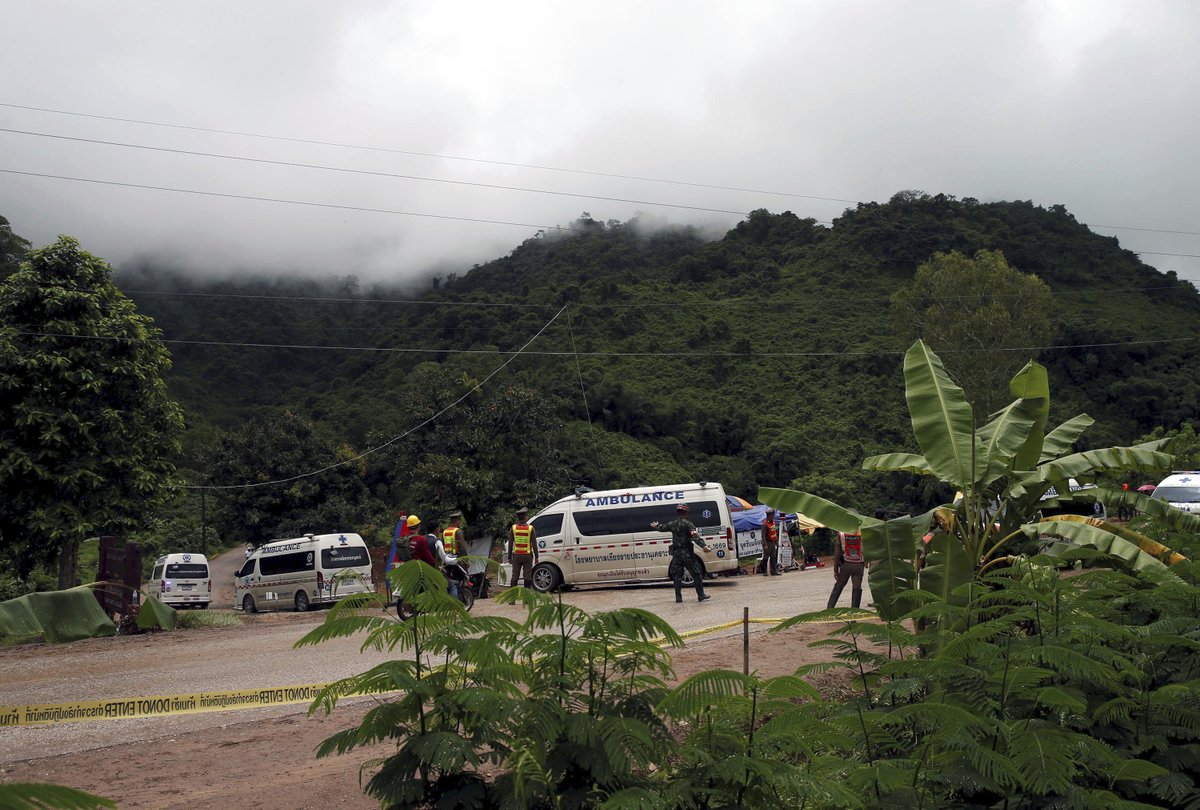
1147	488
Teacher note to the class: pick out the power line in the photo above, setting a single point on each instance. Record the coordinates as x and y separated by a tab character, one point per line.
394	439
429	154
694	354
371	173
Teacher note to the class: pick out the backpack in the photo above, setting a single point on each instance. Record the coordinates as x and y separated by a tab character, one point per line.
852	548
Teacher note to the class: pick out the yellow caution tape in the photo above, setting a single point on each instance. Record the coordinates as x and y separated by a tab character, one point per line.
33	714
38	714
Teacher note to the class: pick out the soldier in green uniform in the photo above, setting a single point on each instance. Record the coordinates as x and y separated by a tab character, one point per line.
683	535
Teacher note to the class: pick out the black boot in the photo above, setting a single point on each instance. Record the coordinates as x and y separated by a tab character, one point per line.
678	592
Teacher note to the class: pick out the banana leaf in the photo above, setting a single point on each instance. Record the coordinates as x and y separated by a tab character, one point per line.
941	418
898	462
1062	438
1032	383
1008	434
947	566
1086	533
1152	547
1115	459
827	513
891	548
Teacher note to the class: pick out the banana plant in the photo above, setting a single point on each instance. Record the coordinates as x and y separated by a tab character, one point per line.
1003	471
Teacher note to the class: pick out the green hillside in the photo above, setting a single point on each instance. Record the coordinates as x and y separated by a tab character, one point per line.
765	358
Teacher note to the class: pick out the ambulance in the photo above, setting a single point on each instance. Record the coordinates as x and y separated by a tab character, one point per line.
1180	489
316	569
181	580
592	537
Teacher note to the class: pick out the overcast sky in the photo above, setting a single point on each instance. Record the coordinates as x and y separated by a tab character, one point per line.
1090	104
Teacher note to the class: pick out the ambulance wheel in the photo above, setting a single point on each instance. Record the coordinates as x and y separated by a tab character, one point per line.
301	601
248	605
688	580
405	610
546	578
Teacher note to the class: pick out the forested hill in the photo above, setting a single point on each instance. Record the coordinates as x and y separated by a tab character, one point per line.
767	357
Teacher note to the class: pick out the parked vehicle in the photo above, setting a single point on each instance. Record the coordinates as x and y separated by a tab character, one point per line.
310	570
1053	504
605	536
181	580
1181	489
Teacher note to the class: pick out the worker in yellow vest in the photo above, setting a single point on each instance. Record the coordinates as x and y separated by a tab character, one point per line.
454	544
522	549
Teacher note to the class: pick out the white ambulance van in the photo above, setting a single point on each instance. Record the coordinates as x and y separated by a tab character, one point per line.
298	574
592	537
1181	489
181	580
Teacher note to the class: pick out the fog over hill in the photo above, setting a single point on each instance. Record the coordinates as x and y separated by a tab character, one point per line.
401	141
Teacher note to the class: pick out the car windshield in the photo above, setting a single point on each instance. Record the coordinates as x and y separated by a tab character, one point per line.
1178	494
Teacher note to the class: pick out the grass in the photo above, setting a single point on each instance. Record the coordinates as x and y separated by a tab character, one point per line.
191	619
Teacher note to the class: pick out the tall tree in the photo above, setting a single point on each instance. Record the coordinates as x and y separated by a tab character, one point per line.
87	431
13	249
974	312
284	448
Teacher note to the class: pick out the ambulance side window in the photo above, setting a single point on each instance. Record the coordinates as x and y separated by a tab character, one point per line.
157	572
548	527
247	569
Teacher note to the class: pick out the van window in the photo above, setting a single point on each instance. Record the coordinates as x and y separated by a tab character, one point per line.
345	557
157	572
638	518
548	525
1178	494
286	563
187	571
247	569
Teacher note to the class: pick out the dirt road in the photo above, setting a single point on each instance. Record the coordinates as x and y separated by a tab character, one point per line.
222	757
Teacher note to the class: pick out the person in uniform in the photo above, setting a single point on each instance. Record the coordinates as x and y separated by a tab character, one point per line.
683	557
522	549
770	544
848	563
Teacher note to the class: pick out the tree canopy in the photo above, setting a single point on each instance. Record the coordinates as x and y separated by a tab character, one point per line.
88	434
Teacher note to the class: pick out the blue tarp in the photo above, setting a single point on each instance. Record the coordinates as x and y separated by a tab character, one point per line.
753	518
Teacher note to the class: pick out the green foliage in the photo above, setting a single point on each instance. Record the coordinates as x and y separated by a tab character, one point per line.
284	448
974	312
13	250
1003	472
87	431
28	796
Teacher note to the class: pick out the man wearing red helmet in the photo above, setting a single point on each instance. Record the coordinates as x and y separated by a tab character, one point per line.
683	558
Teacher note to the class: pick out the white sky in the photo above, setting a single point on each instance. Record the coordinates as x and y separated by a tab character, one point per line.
1092	104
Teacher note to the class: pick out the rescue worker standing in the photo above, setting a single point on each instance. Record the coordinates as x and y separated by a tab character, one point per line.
683	557
522	549
848	563
770	544
453	544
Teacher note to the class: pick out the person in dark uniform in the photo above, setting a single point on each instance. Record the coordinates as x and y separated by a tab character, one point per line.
848	563
683	557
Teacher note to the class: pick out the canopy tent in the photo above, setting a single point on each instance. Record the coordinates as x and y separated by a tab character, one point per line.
752	518
737	504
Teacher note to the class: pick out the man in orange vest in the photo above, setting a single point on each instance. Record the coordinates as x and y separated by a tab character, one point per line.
522	549
454	544
848	562
770	544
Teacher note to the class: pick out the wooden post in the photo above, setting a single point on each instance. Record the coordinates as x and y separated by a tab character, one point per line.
745	641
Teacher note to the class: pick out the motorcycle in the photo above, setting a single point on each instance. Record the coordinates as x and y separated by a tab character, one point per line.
455	572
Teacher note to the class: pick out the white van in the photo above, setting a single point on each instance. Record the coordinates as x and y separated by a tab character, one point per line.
1181	489
181	580
606	536
1052	506
310	570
